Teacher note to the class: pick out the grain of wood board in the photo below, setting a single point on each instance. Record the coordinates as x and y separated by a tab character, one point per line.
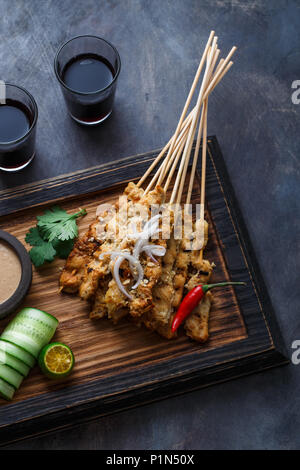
100	347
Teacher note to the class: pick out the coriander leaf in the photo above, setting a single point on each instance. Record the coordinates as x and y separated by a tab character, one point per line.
57	223
41	253
65	230
63	248
33	237
53	236
55	214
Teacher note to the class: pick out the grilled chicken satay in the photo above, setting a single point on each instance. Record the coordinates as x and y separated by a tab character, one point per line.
196	325
181	273
117	304
82	253
99	309
158	296
79	259
168	293
181	266
184	259
161	316
199	272
171	291
102	305
142	296
100	268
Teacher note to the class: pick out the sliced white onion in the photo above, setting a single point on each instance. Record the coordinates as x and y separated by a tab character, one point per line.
117	277
142	244
140	276
152	257
113	254
151	221
153	226
138	247
122	255
154	250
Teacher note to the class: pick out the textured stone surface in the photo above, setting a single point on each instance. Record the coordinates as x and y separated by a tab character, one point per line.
251	112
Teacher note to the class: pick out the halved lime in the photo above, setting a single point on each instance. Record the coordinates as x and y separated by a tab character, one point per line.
56	360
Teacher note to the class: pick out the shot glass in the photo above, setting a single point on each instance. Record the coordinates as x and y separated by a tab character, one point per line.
18	118
87	68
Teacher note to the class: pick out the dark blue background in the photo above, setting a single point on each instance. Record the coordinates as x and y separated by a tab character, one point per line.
257	125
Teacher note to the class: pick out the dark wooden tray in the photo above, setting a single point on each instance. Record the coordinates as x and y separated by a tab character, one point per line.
122	367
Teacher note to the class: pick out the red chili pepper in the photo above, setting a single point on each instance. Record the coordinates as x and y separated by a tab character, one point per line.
192	299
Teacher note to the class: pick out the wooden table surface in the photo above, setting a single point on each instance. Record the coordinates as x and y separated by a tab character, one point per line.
257	125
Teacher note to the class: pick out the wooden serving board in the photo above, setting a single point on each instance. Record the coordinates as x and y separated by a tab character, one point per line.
121	366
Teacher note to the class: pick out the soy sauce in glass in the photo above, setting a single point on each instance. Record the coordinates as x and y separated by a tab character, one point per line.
87	68
15	120
89	73
18	116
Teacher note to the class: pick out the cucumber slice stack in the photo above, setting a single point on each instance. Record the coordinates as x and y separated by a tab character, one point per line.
16	364
20	344
6	390
31	330
17	352
11	376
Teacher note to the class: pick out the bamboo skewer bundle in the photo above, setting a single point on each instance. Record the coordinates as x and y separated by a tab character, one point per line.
192	90
178	150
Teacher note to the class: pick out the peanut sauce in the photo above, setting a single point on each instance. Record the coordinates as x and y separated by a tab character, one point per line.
10	271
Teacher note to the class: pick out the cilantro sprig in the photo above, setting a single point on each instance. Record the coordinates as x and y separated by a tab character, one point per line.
53	235
42	251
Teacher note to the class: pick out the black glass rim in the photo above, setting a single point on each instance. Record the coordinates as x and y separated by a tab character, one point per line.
86	92
35	115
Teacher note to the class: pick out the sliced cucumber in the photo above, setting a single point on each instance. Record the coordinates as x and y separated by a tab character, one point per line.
6	390
31	329
17	352
14	363
23	341
11	376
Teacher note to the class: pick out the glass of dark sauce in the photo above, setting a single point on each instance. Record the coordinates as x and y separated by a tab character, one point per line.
87	68
18	118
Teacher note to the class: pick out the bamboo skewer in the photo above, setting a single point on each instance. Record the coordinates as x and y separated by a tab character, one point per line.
154	163
219	79
191	92
163	151
209	82
181	139
204	148
219	65
196	152
220	71
188	199
195	159
179	147
161	170
203	170
211	68
175	162
188	147
218	76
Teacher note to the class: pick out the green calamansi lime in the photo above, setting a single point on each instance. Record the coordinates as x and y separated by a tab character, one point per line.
56	360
